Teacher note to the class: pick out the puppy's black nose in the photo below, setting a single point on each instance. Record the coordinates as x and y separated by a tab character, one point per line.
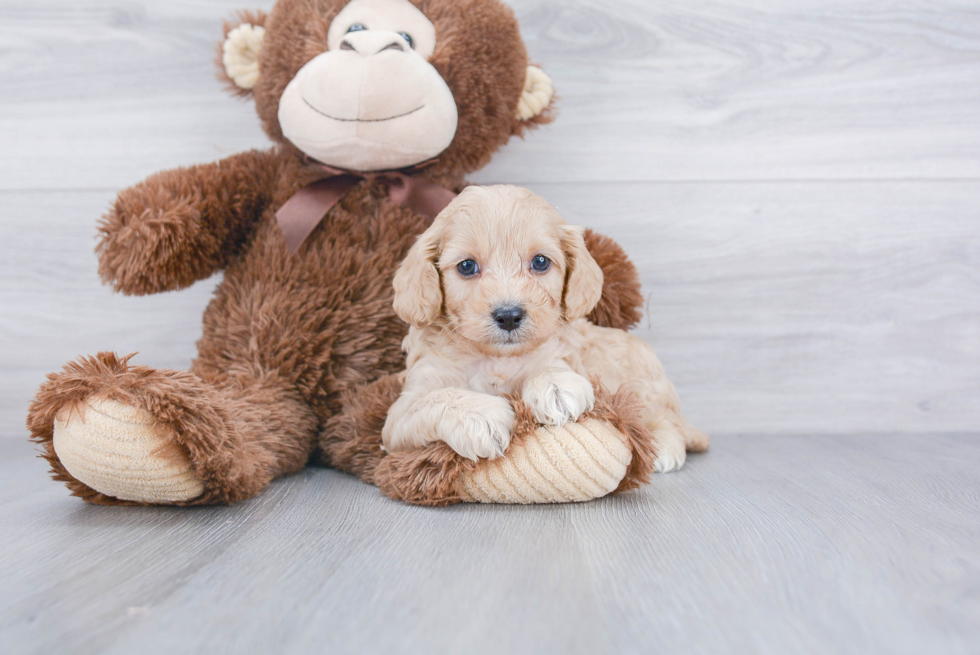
508	318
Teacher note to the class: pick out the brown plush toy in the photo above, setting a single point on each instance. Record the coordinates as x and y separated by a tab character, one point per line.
378	109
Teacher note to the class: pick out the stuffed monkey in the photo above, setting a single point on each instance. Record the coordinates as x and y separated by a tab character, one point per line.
377	109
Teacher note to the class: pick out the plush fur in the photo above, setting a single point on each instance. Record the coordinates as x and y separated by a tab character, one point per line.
289	339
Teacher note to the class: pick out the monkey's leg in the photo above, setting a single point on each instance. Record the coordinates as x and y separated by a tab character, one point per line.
121	434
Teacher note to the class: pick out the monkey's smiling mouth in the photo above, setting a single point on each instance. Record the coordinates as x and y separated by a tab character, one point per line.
361	120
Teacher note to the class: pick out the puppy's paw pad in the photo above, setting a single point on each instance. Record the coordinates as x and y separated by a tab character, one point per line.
558	398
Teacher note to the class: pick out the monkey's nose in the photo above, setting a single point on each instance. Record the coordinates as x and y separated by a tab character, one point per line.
371	43
508	318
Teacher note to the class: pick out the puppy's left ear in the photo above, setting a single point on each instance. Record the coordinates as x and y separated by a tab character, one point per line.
418	295
583	276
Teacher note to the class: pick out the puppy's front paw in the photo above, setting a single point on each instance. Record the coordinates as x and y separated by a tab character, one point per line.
482	429
557	398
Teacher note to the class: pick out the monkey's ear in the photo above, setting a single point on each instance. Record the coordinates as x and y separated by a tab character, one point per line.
536	96
418	294
238	54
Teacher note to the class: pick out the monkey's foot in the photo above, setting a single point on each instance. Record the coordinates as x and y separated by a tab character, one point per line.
123	452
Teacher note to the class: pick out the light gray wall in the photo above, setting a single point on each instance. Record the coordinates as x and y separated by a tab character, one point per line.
799	183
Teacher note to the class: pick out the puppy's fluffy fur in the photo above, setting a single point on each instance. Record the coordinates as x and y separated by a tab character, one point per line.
488	321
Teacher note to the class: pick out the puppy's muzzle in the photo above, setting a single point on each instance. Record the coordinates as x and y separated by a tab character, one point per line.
508	318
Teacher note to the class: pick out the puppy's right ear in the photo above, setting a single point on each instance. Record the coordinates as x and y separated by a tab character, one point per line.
583	279
418	295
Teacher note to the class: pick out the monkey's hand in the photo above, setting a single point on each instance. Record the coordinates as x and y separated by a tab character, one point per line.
181	226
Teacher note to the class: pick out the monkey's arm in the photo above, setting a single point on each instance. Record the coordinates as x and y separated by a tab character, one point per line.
621	301
183	225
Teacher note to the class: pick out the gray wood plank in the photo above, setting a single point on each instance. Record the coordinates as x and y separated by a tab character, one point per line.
100	94
53	307
843	307
807	544
776	308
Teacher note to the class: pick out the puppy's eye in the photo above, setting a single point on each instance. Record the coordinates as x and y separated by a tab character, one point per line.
408	38
540	263
467	268
356	27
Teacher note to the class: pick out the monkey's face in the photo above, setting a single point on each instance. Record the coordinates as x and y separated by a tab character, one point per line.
372	101
370	85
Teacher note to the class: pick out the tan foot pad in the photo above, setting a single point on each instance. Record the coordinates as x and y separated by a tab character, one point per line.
574	463
121	451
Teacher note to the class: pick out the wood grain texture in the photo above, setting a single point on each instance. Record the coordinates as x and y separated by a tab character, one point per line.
801	307
776	308
102	93
765	545
754	90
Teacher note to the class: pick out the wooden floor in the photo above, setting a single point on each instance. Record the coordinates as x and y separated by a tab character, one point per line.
799	184
808	544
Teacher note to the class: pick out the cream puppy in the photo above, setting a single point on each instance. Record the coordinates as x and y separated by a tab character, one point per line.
496	292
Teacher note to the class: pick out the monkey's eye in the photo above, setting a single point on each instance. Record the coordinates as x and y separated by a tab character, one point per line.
356	27
408	38
540	263
467	268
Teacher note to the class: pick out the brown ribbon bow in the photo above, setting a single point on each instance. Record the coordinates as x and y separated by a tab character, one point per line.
306	208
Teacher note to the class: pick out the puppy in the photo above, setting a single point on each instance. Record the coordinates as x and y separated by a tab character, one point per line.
496	292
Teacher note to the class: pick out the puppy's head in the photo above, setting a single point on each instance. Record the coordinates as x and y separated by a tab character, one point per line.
501	268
